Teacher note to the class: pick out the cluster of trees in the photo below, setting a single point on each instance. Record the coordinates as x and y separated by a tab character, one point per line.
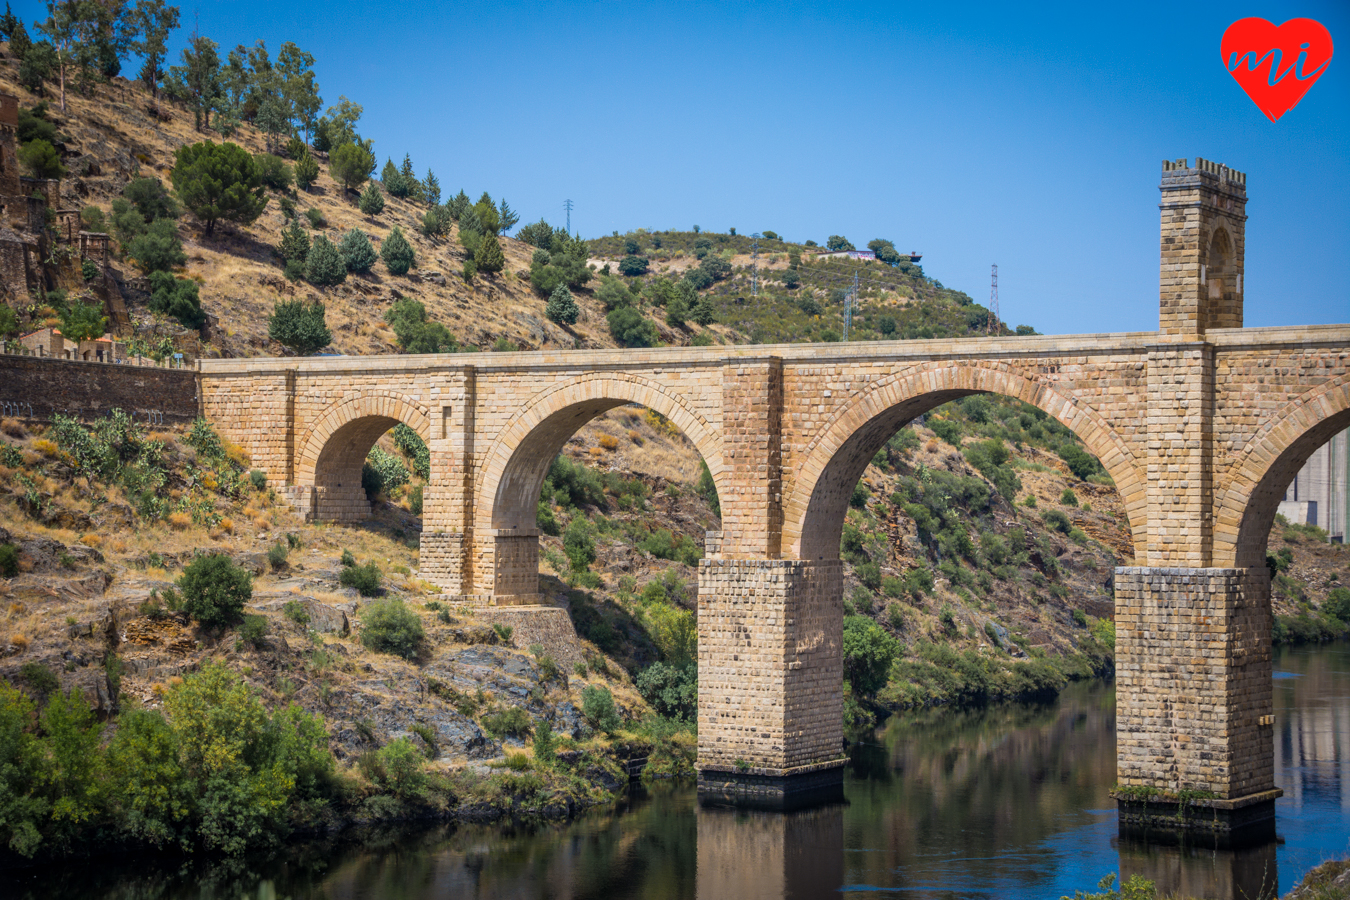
559	261
322	262
301	326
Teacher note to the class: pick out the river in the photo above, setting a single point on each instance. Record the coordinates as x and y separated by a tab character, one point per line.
1008	802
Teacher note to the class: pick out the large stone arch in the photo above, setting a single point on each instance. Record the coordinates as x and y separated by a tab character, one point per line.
834	460
514	467
1268	463
330	452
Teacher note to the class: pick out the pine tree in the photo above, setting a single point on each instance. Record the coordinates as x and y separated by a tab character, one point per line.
9	23
509	217
306	170
324	264
458	205
406	170
397	253
489	259
19	41
357	252
299	325
703	312
393	179
294	243
431	188
561	307
372	200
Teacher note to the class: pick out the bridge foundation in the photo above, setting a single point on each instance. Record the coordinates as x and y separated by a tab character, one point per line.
770	678
1194	706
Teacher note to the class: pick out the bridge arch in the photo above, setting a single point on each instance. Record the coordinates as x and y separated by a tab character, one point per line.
330	452
1268	465
833	461
516	464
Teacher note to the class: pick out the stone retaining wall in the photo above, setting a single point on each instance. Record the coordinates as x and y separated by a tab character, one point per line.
90	390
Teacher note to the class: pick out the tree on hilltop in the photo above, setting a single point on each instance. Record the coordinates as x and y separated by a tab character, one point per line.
351	164
431	188
837	242
392	179
218	181
153	22
507	216
489	258
294	243
197	80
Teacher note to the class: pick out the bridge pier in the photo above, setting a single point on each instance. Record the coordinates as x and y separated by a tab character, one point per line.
770	678
1194	706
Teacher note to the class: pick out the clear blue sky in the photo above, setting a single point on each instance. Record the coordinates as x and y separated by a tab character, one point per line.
975	134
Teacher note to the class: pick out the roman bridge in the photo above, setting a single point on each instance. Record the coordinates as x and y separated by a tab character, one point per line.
1201	425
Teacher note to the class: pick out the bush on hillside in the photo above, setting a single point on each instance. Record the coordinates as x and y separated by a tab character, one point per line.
215	590
177	297
324	265
597	705
358	254
273	171
372	200
156	248
364	579
562	308
397	253
388	626
631	329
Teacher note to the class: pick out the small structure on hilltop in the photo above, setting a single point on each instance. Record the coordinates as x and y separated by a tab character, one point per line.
41	244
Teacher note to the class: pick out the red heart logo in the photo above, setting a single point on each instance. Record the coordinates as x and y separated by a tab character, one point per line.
1276	65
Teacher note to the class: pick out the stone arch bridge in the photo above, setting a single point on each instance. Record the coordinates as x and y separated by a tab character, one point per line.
1201	424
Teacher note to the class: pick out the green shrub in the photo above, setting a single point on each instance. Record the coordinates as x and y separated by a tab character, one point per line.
215	590
671	690
9	560
296	612
41	679
1080	618
579	545
868	652
631	329
347	559
415	500
1057	520
504	632
597	705
276	555
545	749
253	630
1338	604
388	626
1068	498
547	522
398	768
919	582
510	721
382	472
365	579
259	479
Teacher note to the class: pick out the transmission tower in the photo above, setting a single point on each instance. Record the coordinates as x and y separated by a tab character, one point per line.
993	299
754	264
567	205
849	300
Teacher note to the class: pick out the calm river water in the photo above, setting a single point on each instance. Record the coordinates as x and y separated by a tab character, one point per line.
1008	803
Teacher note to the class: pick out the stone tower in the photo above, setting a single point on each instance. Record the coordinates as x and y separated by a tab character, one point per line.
1204	220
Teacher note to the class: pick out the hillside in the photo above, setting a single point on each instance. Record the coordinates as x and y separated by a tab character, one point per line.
979	547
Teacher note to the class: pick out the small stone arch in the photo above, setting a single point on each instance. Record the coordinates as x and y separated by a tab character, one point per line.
835	459
330	453
1268	464
515	465
1221	301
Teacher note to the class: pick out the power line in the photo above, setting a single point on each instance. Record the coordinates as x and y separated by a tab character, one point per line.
849	300
567	205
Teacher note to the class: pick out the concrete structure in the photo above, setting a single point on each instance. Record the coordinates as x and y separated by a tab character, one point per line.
1201	424
1320	492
